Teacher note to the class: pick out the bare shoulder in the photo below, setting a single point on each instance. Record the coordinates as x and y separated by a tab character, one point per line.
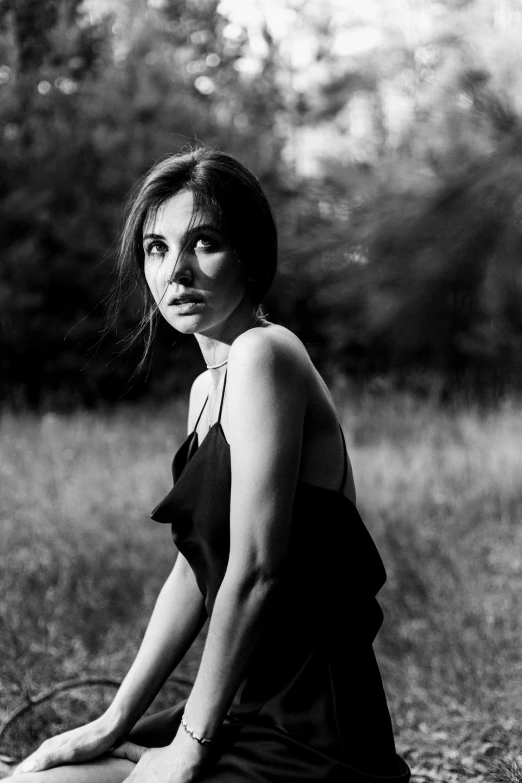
268	389
268	348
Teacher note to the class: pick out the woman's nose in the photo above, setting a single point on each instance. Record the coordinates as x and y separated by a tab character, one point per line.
181	273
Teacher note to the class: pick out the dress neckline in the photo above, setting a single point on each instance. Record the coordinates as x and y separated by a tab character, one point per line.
217	427
195	444
218	420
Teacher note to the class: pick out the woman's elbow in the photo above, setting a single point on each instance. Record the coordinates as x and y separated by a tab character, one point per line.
260	579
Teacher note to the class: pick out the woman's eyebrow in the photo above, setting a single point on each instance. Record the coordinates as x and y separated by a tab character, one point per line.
202	227
153	236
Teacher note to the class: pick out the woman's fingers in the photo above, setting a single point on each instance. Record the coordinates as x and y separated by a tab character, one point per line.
81	744
45	758
40	760
130	751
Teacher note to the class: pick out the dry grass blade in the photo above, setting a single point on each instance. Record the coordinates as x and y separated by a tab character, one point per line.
506	772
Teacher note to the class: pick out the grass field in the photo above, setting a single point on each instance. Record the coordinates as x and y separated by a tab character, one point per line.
441	492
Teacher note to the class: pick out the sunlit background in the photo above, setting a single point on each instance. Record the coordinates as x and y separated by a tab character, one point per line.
388	135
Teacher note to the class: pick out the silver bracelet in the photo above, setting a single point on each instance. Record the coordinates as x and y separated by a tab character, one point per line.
201	740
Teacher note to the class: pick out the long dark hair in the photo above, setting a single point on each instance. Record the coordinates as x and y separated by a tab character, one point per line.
220	184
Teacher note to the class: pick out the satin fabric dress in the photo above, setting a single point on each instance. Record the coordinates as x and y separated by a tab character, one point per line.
311	706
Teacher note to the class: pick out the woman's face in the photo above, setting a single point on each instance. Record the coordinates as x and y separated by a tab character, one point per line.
199	290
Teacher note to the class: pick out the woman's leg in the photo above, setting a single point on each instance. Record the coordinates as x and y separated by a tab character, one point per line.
107	770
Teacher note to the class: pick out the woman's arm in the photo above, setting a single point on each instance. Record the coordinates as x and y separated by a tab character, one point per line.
177	618
266	407
175	621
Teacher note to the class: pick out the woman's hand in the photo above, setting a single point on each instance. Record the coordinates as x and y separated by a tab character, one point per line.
179	762
72	747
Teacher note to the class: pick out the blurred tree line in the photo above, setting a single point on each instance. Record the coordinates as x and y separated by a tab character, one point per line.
394	170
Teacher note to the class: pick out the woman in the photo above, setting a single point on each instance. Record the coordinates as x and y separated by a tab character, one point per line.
271	546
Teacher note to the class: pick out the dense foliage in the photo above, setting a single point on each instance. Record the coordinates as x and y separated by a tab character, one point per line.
400	245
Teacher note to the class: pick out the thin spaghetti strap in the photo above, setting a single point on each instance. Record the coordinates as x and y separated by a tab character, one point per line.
222	397
345	470
199	417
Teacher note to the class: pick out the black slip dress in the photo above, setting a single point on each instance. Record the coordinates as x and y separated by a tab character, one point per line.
311	706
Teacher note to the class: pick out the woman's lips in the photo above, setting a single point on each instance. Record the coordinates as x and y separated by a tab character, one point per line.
185	296
186	305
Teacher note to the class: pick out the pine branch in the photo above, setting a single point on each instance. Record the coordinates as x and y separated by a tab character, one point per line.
47	695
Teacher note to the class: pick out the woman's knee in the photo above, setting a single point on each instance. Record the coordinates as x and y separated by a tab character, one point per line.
107	770
32	777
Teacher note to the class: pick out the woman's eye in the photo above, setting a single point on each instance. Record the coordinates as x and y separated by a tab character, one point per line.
204	243
156	249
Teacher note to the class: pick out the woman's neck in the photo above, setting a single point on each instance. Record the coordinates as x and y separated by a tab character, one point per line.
215	348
